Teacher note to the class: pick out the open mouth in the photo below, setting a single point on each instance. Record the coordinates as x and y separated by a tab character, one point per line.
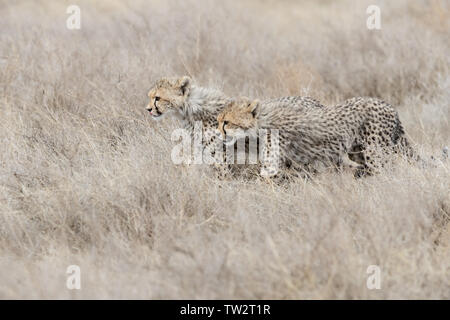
154	114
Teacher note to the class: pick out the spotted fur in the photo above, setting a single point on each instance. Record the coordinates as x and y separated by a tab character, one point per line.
356	134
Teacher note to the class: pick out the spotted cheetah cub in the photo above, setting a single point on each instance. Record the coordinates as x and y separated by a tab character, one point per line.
181	98
349	135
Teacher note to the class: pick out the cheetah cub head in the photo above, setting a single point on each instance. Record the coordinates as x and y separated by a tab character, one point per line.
239	118
168	96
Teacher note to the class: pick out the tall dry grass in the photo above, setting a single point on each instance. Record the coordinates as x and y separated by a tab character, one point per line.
86	176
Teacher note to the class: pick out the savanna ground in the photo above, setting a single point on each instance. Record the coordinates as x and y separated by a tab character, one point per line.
86	177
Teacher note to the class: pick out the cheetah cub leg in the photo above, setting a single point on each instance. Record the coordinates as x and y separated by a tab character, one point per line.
373	160
270	172
269	158
347	163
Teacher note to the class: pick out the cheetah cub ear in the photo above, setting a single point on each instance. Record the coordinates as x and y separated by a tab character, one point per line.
253	107
184	84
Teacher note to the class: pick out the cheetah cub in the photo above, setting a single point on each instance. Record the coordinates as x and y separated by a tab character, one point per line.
355	134
181	98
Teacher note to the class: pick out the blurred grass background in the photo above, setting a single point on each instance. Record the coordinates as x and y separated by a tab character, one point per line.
86	176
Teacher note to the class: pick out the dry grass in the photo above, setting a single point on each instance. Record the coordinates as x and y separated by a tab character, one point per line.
86	176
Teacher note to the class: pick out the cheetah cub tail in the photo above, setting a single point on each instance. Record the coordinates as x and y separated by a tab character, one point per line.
444	155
